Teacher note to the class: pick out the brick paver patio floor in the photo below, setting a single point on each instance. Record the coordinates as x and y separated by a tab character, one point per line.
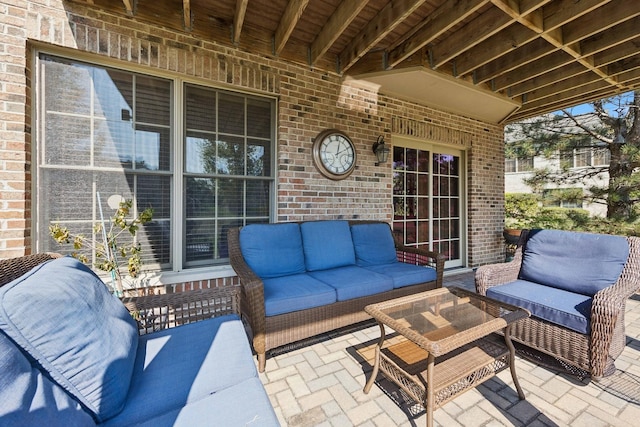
320	384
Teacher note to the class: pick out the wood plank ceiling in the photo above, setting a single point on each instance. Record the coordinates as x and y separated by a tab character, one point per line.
540	55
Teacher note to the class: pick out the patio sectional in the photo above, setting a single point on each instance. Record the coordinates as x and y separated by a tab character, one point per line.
301	279
71	354
575	285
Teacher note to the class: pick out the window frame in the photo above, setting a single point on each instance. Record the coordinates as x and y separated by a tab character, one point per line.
178	270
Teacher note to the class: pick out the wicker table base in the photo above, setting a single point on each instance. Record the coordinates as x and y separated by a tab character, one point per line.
436	376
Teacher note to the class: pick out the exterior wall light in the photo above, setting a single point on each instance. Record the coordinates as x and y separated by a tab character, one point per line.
381	150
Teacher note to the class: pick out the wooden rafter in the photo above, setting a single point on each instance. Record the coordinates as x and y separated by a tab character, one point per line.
388	18
186	14
128	6
441	20
238	19
288	22
335	26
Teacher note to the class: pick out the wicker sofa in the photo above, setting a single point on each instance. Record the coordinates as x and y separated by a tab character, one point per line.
71	354
301	279
575	285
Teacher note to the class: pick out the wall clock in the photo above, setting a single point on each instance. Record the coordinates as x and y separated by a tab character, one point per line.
334	154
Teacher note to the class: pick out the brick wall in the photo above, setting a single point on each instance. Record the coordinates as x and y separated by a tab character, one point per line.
309	102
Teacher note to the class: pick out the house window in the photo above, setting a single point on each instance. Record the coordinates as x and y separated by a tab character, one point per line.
570	198
199	156
519	164
585	157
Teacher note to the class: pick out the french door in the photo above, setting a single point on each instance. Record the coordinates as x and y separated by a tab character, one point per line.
428	202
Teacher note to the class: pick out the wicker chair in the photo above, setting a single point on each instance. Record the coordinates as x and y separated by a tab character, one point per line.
594	353
152	312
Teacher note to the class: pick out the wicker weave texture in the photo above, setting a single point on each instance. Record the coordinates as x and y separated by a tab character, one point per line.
594	353
274	331
12	268
152	312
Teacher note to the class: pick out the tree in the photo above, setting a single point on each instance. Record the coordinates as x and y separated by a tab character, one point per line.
610	133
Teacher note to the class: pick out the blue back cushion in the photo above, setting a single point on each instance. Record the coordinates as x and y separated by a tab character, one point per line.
584	263
327	244
29	398
63	316
373	244
272	250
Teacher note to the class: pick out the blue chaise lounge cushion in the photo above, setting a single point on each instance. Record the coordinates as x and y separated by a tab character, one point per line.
558	306
273	250
327	244
373	244
584	263
179	366
63	316
30	398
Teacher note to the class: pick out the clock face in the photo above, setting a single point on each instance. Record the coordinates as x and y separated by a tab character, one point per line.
334	154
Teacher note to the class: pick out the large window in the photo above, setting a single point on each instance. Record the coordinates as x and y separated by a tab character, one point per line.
200	157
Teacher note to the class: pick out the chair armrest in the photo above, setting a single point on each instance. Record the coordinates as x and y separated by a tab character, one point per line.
252	290
609	304
497	274
156	312
422	257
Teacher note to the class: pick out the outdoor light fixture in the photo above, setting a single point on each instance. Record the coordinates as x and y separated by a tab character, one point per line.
381	150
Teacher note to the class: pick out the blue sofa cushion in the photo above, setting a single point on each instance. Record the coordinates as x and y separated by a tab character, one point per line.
64	317
272	250
297	292
353	281
568	309
30	398
327	244
244	404
373	244
177	366
405	274
584	263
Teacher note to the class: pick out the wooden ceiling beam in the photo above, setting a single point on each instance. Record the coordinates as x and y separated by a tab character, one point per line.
531	52
600	20
545	79
586	81
508	40
441	20
335	26
551	63
290	18
129	6
186	15
624	32
384	22
540	107
238	19
617	53
558	13
475	32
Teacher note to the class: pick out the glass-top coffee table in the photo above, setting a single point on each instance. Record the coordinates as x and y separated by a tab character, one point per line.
446	344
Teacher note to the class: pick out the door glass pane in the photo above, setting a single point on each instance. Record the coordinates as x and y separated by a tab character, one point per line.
426	201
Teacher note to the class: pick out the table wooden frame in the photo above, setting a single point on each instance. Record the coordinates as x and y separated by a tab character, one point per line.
456	360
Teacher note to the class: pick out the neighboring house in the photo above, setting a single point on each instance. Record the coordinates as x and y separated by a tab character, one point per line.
519	169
